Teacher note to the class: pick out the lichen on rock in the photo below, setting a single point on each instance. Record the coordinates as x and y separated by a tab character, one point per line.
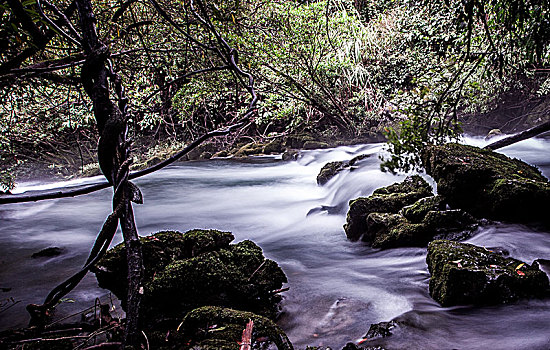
466	274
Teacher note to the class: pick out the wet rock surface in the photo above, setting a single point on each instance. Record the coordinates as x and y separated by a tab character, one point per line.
488	184
216	328
388	199
405	214
184	271
380	330
331	169
466	274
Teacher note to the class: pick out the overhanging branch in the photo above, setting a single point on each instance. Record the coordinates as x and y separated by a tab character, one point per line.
34	196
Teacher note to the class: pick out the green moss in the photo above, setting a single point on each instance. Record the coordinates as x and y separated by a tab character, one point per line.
467	274
414	183
487	183
297	141
250	149
416	212
237	276
199	267
393	230
329	170
275	146
315	145
158	250
223	327
390	199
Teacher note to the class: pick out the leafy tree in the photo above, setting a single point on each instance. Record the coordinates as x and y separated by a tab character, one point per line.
97	48
488	47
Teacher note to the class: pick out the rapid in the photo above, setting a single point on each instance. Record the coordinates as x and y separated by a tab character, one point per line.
337	287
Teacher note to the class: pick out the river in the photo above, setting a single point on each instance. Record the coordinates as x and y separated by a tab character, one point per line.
337	287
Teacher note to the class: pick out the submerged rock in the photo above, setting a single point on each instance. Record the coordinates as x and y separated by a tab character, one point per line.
184	271
331	169
466	274
380	330
47	253
488	184
390	199
216	328
291	154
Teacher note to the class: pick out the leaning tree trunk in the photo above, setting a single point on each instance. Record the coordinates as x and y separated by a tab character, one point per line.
113	155
524	135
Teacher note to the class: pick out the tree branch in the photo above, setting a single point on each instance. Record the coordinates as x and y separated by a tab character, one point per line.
524	135
34	196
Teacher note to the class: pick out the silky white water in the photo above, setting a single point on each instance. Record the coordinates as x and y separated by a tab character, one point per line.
337	288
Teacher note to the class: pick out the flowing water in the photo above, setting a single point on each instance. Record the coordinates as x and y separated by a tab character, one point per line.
337	287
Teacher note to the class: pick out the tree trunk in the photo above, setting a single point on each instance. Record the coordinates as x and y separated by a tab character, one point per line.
132	335
113	156
524	135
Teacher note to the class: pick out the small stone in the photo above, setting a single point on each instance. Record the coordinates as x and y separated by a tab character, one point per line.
380	330
290	155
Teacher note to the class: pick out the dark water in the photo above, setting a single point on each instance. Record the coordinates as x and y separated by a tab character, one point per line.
337	288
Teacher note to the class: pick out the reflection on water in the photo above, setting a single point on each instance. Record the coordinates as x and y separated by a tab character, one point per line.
337	288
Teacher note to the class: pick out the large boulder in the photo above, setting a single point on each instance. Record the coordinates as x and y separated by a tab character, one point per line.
390	199
488	184
184	271
466	274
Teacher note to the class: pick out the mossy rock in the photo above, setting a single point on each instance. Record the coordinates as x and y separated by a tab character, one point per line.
386	230
328	171
238	277
158	250
390	199
216	328
184	271
393	230
488	184
275	146
416	212
466	274
201	151
249	149
315	145
331	169
297	141
290	154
